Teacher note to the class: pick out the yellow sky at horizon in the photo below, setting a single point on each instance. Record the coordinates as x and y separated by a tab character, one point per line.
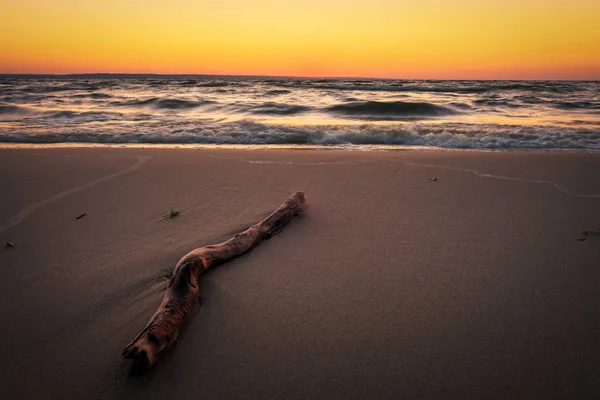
527	39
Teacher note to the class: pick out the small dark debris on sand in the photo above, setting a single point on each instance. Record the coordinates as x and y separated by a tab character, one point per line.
10	245
81	215
585	235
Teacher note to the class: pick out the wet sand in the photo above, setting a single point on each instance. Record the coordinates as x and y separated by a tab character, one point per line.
389	285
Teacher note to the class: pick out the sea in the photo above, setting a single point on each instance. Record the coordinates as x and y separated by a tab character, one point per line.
301	112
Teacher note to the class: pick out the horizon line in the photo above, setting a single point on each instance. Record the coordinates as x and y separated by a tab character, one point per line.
125	74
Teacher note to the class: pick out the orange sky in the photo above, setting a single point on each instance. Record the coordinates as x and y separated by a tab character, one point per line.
473	39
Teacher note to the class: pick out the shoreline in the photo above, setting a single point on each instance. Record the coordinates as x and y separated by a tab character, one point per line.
346	147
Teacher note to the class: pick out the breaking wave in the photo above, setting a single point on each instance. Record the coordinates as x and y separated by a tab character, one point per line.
463	136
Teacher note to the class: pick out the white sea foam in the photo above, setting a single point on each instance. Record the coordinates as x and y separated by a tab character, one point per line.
463	136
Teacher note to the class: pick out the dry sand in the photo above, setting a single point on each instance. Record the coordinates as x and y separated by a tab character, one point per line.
389	285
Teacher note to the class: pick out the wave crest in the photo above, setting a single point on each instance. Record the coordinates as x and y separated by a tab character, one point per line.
462	136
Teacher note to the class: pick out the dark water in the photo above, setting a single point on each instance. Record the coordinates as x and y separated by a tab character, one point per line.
244	110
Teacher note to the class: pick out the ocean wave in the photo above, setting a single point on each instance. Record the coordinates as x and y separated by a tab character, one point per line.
203	83
27	117
460	136
158	103
77	117
277	92
497	103
11	109
464	87
271	108
39	117
576	105
191	82
529	99
199	83
389	88
213	84
463	106
93	95
391	110
10	81
100	96
44	86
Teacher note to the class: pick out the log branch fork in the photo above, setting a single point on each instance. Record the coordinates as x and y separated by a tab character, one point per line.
183	290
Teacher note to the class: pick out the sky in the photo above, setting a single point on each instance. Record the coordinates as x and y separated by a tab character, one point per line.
412	39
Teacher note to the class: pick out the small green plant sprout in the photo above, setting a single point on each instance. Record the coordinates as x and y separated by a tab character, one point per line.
173	213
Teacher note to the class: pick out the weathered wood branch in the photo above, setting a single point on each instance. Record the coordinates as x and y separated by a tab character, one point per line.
183	290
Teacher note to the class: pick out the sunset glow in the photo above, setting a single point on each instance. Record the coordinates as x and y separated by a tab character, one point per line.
472	39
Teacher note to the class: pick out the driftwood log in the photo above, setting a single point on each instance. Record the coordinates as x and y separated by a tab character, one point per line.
183	290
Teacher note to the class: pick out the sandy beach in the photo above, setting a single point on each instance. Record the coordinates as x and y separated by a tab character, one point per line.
388	286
